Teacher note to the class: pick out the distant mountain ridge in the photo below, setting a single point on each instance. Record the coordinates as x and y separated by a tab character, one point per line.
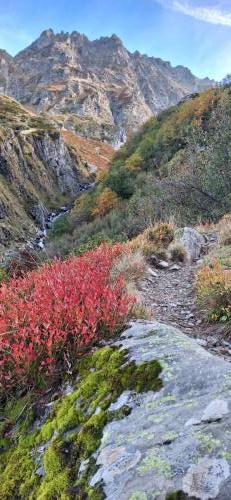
96	88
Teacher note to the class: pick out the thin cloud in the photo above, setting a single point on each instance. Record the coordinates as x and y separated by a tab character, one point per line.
209	14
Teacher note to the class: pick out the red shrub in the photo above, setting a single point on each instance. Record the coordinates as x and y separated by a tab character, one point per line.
49	316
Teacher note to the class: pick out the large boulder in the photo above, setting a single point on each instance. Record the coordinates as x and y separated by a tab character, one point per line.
177	439
192	241
124	429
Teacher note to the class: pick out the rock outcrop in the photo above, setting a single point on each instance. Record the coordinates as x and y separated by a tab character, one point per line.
178	439
191	241
96	88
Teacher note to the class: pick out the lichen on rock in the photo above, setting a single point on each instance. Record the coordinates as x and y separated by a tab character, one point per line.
55	459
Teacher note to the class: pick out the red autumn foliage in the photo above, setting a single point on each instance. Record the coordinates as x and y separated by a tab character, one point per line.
49	316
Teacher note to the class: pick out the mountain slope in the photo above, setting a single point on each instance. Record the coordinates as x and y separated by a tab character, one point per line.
177	166
97	88
39	170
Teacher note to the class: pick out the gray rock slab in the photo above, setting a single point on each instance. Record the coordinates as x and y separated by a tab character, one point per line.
192	241
176	439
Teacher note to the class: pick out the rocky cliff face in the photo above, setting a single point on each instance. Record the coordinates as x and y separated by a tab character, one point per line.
38	171
97	89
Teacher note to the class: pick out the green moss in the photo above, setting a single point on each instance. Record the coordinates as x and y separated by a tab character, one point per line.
167	399
73	430
67	417
47	432
56	480
4	443
17	414
18	478
169	437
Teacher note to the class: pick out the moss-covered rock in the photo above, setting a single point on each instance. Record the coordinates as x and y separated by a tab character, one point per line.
46	461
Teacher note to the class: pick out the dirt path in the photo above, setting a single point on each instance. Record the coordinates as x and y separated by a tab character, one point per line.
169	295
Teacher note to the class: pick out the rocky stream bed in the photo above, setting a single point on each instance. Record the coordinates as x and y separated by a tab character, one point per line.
38	243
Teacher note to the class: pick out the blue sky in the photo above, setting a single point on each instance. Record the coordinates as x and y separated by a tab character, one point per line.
195	33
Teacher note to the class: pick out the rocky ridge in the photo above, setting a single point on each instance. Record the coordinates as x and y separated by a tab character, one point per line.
95	88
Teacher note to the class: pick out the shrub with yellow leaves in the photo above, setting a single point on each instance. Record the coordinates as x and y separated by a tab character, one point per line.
154	240
105	202
213	287
134	163
161	234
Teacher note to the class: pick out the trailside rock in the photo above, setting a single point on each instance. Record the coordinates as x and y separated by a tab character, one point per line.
175	267
192	241
177	439
162	264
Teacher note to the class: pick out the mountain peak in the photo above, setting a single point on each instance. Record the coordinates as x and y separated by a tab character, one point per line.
116	39
5	55
47	33
67	74
110	40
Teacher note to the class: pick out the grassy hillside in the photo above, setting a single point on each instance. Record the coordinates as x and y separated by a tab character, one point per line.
178	165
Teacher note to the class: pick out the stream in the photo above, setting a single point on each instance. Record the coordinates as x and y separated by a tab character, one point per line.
38	243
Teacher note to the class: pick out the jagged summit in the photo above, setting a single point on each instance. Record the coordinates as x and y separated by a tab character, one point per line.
47	33
97	88
4	53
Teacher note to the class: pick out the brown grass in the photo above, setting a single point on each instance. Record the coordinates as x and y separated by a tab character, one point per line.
95	153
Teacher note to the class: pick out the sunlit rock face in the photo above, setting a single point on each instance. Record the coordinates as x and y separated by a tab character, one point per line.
97	88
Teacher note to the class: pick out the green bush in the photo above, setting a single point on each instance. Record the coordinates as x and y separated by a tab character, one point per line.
177	252
213	289
171	167
92	243
121	181
84	206
60	226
